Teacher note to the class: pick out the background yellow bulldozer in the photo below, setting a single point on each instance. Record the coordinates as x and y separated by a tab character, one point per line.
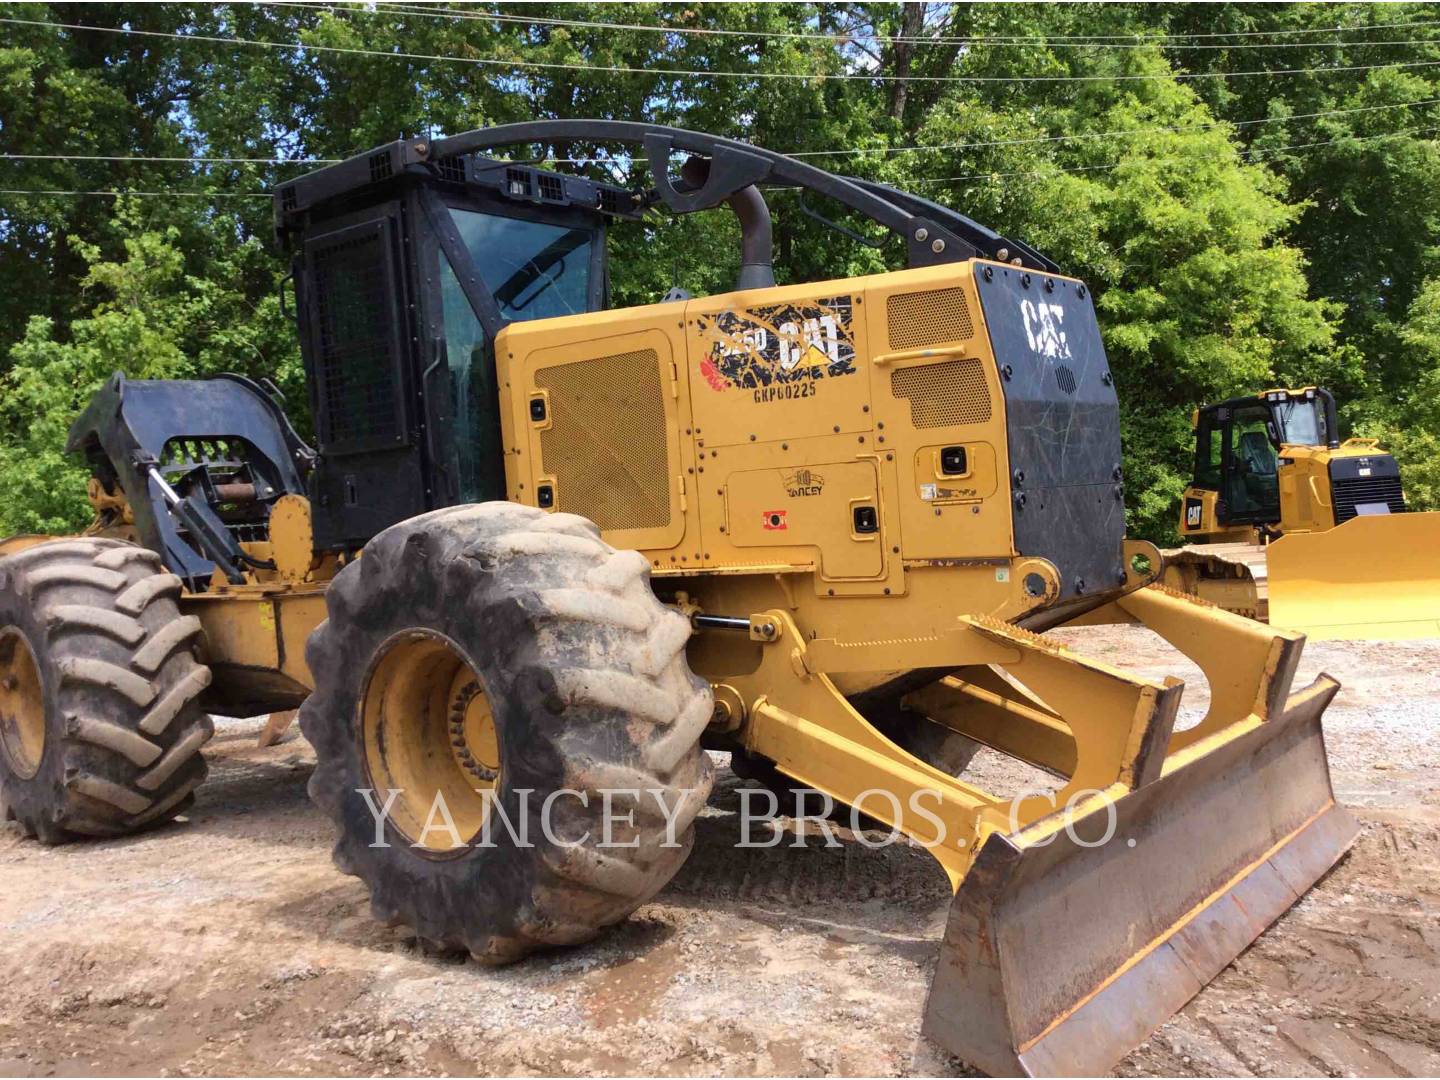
1295	527
546	554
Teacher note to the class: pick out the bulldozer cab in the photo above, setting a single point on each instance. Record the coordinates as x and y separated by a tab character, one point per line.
1241	446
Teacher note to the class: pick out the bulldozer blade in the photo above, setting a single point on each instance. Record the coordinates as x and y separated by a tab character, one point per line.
1065	947
1370	578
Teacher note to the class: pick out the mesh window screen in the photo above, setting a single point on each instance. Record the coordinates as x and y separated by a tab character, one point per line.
354	339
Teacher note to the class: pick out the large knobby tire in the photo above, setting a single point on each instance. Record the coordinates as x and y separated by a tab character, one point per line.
586	686
100	733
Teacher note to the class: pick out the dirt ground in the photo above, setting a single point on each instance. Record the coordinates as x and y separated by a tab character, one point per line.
228	944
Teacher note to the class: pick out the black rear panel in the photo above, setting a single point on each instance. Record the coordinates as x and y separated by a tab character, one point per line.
1364	485
370	473
1063	424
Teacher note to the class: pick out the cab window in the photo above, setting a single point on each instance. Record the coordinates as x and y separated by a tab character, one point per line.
1301	422
1208	446
534	269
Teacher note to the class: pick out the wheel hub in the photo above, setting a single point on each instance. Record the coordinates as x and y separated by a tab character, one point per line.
429	735
22	705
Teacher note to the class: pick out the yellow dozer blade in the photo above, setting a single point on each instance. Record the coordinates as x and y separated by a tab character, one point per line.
1372	577
1073	937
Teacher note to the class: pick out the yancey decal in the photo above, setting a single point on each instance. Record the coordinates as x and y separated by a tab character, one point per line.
780	352
1043	329
802	483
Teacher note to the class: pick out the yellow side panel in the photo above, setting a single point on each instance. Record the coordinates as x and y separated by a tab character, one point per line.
851	428
779	364
937	387
597	424
809	505
1306	504
785	436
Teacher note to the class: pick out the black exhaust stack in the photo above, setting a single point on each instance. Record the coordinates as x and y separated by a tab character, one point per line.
757	268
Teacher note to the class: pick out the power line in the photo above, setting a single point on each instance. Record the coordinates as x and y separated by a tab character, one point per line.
1134	40
163	160
930	180
1172	157
699	74
1129	132
147	194
849	152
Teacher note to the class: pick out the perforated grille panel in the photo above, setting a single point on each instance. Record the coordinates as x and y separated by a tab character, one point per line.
1349	494
355	368
607	444
918	320
943	395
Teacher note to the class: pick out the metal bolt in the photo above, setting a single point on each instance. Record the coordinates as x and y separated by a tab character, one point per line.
937	246
1003	254
1107	378
1116	473
1025	280
1049	284
1008	372
1079	586
922	234
1080	292
1019	476
1019	500
989	273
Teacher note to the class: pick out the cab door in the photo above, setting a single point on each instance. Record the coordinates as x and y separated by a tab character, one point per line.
1250	484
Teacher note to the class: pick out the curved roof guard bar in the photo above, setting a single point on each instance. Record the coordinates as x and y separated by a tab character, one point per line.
932	233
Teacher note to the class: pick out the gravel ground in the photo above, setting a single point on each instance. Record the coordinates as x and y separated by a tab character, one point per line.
228	944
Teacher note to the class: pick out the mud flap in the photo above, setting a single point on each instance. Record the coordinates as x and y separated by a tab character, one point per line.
1065	949
1370	578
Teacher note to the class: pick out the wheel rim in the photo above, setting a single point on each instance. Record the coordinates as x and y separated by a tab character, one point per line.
429	734
22	705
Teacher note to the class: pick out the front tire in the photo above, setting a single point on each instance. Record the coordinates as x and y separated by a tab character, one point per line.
100	730
496	656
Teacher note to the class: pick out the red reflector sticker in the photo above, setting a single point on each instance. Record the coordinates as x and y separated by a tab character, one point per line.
774	519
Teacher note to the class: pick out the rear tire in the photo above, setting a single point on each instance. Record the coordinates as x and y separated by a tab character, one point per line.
585	687
100	733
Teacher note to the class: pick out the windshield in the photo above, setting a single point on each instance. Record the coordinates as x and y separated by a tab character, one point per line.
1301	422
534	270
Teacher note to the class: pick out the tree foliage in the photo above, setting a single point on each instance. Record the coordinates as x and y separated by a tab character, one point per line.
1234	236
